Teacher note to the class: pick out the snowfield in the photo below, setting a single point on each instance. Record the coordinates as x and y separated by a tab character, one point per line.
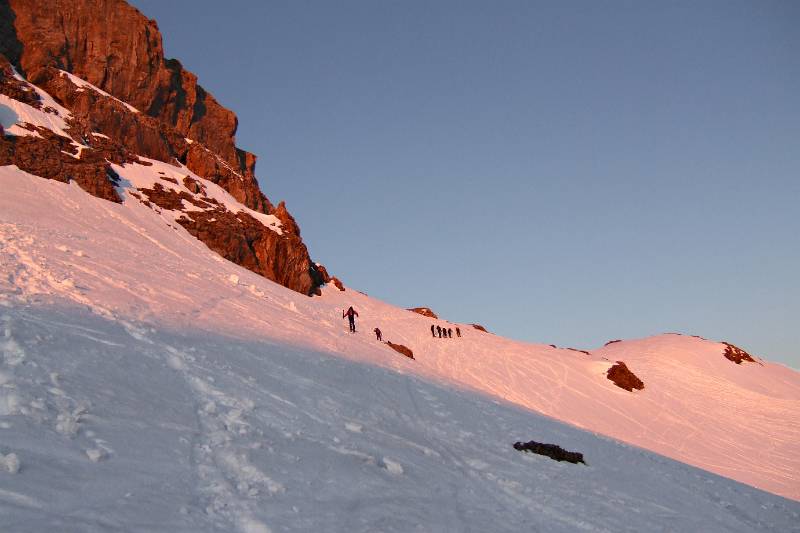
148	385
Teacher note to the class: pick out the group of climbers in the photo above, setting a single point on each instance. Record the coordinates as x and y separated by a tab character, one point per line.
446	333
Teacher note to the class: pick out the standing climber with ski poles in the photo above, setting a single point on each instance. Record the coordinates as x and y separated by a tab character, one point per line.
351	315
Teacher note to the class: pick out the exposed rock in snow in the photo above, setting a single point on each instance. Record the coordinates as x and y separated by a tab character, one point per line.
424	311
736	354
337	283
623	378
405	350
553	451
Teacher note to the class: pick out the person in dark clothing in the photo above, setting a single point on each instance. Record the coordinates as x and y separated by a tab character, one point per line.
351	315
458	331
449	333
439	331
378	334
433	330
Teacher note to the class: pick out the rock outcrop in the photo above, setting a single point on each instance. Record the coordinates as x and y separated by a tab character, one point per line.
399	348
137	103
424	311
553	451
116	48
52	156
736	354
238	237
479	327
623	378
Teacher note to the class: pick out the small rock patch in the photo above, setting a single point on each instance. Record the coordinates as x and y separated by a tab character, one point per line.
623	378
553	451
736	354
405	350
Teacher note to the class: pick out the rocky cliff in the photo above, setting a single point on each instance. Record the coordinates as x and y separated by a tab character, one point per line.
136	103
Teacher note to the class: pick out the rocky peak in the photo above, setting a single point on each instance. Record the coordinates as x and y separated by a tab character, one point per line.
117	49
103	61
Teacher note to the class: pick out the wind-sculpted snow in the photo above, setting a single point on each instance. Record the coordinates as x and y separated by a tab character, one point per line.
162	340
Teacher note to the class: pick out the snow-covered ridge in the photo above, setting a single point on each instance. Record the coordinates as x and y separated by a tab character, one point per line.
741	421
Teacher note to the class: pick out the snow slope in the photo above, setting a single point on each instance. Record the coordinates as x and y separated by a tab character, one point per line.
146	384
126	262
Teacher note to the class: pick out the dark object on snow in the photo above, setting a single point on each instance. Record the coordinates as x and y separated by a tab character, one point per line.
433	330
736	354
624	378
449	333
553	451
439	331
401	349
424	311
612	342
577	350
351	315
458	332
378	333
479	327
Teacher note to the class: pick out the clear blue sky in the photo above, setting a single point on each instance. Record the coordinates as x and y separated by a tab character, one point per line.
561	172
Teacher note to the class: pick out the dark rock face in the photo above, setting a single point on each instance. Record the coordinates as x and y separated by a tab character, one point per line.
424	311
53	156
552	451
147	136
114	47
624	378
612	342
238	237
736	354
401	349
479	327
117	49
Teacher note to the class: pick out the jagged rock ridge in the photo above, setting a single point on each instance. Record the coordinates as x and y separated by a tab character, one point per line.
137	103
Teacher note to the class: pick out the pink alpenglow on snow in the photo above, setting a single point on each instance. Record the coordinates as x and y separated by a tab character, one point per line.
143	267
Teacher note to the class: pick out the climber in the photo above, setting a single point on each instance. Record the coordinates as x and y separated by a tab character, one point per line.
378	334
351	315
433	330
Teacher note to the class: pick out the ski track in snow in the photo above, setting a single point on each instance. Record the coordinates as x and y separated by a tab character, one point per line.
145	384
